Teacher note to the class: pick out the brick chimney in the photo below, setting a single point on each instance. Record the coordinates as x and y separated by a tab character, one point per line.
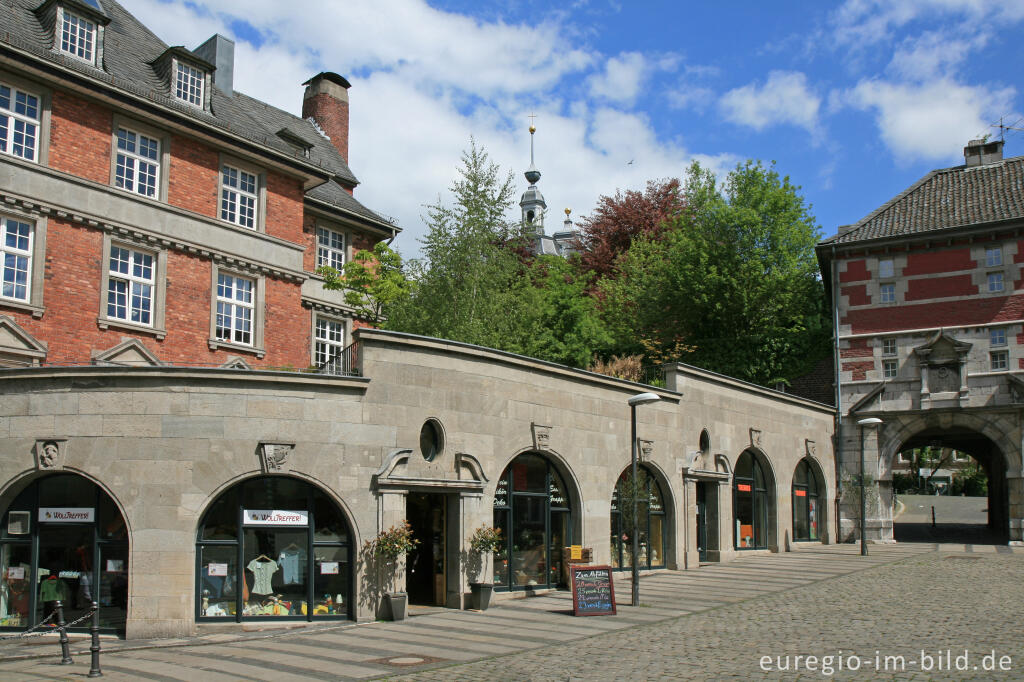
326	102
982	153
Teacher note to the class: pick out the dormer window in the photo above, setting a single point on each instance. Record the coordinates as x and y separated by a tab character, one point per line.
77	36
188	84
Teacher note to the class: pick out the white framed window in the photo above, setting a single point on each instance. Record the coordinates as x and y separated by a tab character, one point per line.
235	306
887	293
993	256
329	340
130	285
137	167
330	248
77	36
886	268
20	119
960	456
995	282
889	369
16	259
997	337
188	84
999	360
888	346
239	196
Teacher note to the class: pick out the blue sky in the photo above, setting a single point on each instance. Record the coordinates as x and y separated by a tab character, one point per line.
854	100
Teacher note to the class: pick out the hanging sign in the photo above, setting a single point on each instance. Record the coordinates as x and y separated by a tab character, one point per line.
67	514
275	517
593	593
329	568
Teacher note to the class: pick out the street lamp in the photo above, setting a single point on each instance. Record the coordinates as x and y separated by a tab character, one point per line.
638	399
870	421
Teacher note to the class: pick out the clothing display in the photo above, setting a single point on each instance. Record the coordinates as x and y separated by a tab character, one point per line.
291	572
262	571
54	589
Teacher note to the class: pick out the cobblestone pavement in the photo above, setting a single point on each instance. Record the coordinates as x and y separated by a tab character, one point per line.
716	622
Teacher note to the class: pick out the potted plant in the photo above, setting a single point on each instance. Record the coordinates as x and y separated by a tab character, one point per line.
485	541
387	547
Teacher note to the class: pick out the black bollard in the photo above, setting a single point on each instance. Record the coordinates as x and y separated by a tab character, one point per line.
94	669
933	516
65	653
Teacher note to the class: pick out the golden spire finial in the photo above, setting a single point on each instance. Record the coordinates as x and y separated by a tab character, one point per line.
567	212
533	128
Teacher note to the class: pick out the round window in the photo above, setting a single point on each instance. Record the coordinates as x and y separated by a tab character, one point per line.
430	440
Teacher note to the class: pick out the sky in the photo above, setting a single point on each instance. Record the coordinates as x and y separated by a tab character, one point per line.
854	101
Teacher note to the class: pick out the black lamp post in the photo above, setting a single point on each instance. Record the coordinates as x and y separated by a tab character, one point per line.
870	421
639	399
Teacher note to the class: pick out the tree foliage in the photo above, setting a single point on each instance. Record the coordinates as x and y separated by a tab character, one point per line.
466	285
607	234
374	282
731	285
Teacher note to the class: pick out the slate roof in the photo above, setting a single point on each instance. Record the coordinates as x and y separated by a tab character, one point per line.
947	198
129	51
334	194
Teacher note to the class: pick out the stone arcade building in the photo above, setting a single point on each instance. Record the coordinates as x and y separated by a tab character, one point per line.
929	315
160	454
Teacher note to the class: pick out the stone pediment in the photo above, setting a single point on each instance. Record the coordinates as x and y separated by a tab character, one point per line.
403	469
16	342
131	352
942	349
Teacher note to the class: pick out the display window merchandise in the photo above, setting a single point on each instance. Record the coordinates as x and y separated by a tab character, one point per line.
63	539
273	547
532	510
805	502
650	521
752	502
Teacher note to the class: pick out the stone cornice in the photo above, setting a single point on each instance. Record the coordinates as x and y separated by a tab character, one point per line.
90	376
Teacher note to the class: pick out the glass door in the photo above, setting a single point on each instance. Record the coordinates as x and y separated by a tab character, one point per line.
66	570
529	549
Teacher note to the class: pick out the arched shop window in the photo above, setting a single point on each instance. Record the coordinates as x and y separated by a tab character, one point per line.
650	514
63	538
273	547
752	502
531	507
805	502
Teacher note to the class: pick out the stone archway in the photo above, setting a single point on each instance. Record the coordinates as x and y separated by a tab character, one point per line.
991	439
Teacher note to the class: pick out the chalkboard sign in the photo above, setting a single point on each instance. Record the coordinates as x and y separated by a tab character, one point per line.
593	593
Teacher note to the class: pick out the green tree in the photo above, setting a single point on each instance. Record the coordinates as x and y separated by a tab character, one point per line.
467	286
733	286
374	282
562	323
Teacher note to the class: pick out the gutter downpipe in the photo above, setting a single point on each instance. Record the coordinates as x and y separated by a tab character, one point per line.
837	448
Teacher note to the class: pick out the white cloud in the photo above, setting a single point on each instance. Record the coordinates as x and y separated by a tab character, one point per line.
783	99
869	22
933	54
622	78
931	121
692	97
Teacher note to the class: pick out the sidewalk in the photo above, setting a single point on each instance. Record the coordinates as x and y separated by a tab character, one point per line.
441	637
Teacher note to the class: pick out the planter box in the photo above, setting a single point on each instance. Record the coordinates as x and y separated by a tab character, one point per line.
397	602
481	595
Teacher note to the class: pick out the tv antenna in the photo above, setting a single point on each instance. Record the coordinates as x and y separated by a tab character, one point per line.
1003	127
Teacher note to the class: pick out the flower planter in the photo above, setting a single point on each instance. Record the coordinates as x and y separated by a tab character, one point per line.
481	595
397	602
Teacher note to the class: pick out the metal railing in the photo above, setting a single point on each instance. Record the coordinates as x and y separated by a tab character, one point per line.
345	363
61	628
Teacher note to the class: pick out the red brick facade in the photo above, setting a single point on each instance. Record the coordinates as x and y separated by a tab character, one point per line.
73	295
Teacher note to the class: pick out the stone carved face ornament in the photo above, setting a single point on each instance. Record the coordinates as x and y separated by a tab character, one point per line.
49	454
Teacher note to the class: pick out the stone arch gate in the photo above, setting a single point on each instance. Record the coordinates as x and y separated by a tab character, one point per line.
992	437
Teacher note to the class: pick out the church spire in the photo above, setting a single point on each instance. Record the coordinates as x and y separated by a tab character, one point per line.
532	202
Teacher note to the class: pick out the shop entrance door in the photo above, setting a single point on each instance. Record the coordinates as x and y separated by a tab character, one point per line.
702	522
65	569
426	565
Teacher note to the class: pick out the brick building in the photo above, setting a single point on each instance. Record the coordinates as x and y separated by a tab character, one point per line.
151	213
929	322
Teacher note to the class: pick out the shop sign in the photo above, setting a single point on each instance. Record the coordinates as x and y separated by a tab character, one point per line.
743	487
16	573
217	570
67	514
329	568
275	517
115	565
575	552
800	493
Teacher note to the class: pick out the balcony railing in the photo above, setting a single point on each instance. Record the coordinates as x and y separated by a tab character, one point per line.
345	363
